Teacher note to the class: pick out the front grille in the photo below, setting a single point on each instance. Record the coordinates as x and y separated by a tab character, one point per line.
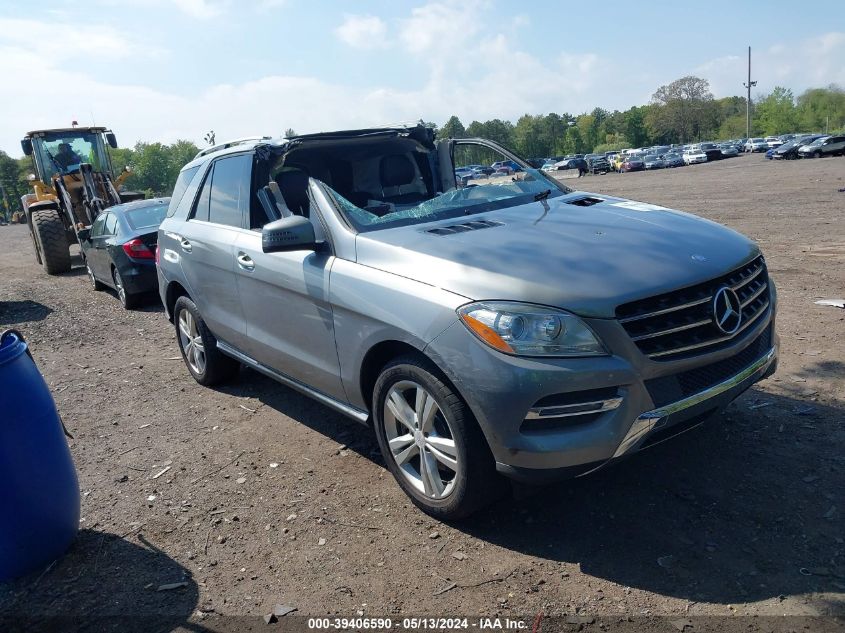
668	389
680	324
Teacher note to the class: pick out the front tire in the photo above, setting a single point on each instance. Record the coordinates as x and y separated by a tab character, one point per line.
96	284
431	442
52	248
207	364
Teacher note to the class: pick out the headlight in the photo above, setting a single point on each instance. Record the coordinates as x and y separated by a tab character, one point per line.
524	329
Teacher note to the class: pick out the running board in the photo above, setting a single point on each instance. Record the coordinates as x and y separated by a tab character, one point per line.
341	407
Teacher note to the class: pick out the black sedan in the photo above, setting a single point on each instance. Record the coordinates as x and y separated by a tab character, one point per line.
119	248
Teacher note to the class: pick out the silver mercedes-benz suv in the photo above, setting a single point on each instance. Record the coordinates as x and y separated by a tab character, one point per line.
500	324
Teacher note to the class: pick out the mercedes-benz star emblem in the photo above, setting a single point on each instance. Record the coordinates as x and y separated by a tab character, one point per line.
727	310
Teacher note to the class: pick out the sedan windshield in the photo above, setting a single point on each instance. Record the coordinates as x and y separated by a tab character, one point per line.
146	217
498	192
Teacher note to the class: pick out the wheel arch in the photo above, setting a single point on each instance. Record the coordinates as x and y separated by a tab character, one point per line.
172	294
380	354
383	352
43	205
375	360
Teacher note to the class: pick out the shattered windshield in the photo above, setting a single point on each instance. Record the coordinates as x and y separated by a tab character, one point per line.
496	192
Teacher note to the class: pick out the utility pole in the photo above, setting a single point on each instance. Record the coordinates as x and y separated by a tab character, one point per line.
748	85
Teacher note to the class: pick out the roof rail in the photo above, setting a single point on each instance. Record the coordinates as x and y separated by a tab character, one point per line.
232	143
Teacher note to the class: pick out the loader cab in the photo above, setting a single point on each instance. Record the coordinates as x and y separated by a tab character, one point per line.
61	152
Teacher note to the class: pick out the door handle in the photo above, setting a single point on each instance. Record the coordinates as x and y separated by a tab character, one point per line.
245	261
186	245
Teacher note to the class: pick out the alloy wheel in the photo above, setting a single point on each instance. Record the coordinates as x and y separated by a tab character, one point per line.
192	345
118	285
420	440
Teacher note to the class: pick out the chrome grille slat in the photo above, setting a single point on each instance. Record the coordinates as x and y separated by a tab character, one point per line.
747	280
640	317
680	324
673	330
756	294
722	339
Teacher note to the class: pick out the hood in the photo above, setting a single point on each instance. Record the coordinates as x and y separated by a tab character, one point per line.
586	259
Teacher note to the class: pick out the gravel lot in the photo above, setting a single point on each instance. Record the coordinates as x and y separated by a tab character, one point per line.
271	498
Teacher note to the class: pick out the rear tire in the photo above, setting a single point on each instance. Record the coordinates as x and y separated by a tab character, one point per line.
51	241
207	364
128	300
440	460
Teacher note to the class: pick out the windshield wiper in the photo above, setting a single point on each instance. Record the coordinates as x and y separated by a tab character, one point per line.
542	195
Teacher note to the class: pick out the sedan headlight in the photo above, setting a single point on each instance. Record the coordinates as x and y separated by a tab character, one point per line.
524	329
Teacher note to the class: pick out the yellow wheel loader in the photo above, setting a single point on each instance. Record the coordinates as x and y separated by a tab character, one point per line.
72	184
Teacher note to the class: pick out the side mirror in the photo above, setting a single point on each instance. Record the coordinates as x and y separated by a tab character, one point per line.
112	141
83	234
26	146
293	233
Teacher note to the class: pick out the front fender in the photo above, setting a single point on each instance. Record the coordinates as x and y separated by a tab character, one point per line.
371	306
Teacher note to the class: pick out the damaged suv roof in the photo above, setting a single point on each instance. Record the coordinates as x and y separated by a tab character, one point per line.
420	133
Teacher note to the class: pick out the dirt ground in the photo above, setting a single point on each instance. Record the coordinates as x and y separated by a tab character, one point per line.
273	499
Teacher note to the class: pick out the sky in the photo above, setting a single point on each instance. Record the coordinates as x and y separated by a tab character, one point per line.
161	70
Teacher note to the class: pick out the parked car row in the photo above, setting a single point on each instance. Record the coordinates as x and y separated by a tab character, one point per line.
809	146
345	266
474	172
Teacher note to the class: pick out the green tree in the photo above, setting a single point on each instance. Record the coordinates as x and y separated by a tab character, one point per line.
635	130
453	128
733	127
530	138
11	186
573	144
181	152
822	109
776	113
685	110
499	131
587	132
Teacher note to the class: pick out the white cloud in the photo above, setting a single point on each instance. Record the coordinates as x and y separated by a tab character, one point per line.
467	67
437	28
266	5
202	9
812	62
63	40
521	20
363	31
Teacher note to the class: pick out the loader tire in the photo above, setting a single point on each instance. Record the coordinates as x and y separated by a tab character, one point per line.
51	241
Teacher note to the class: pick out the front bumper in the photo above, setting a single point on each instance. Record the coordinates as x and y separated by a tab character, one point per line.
504	393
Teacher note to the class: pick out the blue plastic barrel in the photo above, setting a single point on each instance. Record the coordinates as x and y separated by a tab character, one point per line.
39	491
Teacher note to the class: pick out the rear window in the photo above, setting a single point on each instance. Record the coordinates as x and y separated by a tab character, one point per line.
146	217
182	182
229	190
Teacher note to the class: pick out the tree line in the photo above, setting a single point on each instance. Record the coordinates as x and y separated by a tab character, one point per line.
680	112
